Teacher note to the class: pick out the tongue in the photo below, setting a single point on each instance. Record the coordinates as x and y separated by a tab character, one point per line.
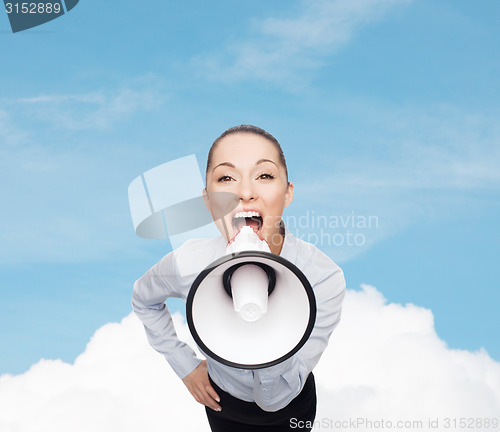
240	223
253	223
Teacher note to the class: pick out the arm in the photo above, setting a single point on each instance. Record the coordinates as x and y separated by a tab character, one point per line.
148	302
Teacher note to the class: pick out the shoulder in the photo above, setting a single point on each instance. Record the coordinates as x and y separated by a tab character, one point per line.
195	254
177	270
314	263
201	247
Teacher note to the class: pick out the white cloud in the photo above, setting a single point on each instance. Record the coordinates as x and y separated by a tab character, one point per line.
409	165
439	148
10	135
64	194
385	362
95	110
280	49
118	384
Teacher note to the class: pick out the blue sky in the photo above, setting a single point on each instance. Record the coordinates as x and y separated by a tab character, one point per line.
385	109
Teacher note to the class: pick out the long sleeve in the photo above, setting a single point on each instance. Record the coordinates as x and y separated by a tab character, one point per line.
276	386
148	302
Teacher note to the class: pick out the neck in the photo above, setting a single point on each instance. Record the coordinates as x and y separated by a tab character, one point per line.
277	243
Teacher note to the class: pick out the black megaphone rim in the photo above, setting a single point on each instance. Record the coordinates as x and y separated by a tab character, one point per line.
251	254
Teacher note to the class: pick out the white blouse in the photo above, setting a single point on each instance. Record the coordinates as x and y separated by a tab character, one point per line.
270	388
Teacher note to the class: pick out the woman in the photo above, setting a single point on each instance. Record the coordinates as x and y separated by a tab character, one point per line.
248	162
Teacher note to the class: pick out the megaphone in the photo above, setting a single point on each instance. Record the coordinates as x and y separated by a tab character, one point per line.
250	309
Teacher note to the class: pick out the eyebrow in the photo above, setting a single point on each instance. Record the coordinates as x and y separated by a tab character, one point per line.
229	164
265	160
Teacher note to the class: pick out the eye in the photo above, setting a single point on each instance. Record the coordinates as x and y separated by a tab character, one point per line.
266	176
224	178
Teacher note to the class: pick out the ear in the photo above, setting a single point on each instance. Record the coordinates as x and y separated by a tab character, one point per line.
289	194
206	199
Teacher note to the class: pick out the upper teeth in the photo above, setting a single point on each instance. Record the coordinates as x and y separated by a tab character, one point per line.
246	214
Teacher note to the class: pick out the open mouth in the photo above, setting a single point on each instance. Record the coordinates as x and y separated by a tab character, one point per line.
252	219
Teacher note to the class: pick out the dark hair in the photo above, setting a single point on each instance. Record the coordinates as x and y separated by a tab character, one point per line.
253	130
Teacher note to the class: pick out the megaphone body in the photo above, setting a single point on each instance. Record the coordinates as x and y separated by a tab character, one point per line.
250	309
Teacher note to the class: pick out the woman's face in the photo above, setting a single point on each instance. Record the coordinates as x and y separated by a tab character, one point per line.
248	165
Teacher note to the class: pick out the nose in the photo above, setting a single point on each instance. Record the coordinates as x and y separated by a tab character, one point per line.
246	191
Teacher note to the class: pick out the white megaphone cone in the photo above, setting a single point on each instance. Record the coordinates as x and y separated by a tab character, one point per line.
251	308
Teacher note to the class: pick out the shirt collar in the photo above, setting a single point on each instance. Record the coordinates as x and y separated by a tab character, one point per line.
289	248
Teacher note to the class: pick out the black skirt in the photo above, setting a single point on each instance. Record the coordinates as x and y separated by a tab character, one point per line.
242	416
